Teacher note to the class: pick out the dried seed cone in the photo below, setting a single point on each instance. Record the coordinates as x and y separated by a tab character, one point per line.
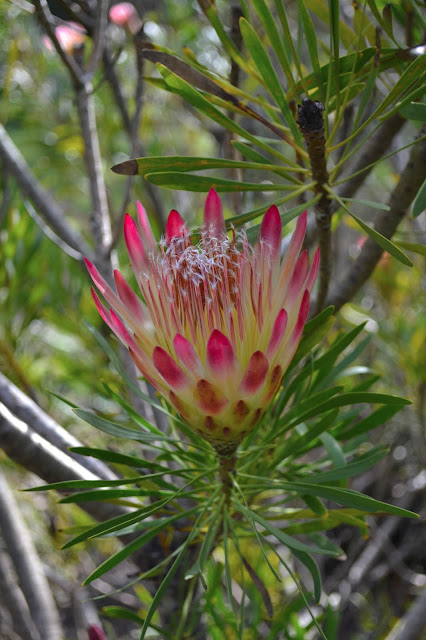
219	322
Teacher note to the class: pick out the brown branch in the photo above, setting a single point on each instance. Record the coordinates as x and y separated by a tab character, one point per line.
311	123
402	196
98	37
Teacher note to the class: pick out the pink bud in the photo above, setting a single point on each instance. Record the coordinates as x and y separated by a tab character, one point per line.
213	215
96	633
271	230
175	226
69	35
125	15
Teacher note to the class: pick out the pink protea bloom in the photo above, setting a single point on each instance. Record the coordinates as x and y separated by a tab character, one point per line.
220	321
125	15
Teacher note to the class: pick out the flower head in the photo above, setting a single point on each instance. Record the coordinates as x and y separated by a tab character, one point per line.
220	321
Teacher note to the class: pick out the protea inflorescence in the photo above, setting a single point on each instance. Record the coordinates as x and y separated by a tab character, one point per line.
219	322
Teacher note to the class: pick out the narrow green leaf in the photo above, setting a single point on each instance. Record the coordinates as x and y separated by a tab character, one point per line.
190	182
311	41
333	449
130	548
269	23
122	613
369	203
348	470
250	153
383	242
183	164
296	444
166	581
375	419
414	111
210	10
120	432
120	458
419	204
385	25
285	539
415	247
312	567
346	497
341	30
264	65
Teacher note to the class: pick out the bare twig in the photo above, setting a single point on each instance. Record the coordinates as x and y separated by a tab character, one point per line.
98	37
51	234
387	222
27	410
371	153
100	222
412	625
45	204
28	566
14	600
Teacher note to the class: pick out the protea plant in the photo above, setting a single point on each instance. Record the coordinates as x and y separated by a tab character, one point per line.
219	321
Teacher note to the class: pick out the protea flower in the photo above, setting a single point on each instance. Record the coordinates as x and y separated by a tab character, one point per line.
220	320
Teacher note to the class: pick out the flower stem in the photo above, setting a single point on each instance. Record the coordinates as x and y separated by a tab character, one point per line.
226	468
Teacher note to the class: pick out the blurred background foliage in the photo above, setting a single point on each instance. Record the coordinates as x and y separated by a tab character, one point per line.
45	296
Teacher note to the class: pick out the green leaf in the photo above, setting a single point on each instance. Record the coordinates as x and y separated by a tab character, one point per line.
383	242
205	105
210	10
264	65
418	248
133	546
369	203
311	41
269	23
166	581
414	111
341	30
250	153
312	567
377	418
285	539
120	458
122	613
345	497
333	449
183	164
419	204
188	182
120	432
348	470
296	443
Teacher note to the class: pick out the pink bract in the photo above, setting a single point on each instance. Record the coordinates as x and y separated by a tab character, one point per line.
218	323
